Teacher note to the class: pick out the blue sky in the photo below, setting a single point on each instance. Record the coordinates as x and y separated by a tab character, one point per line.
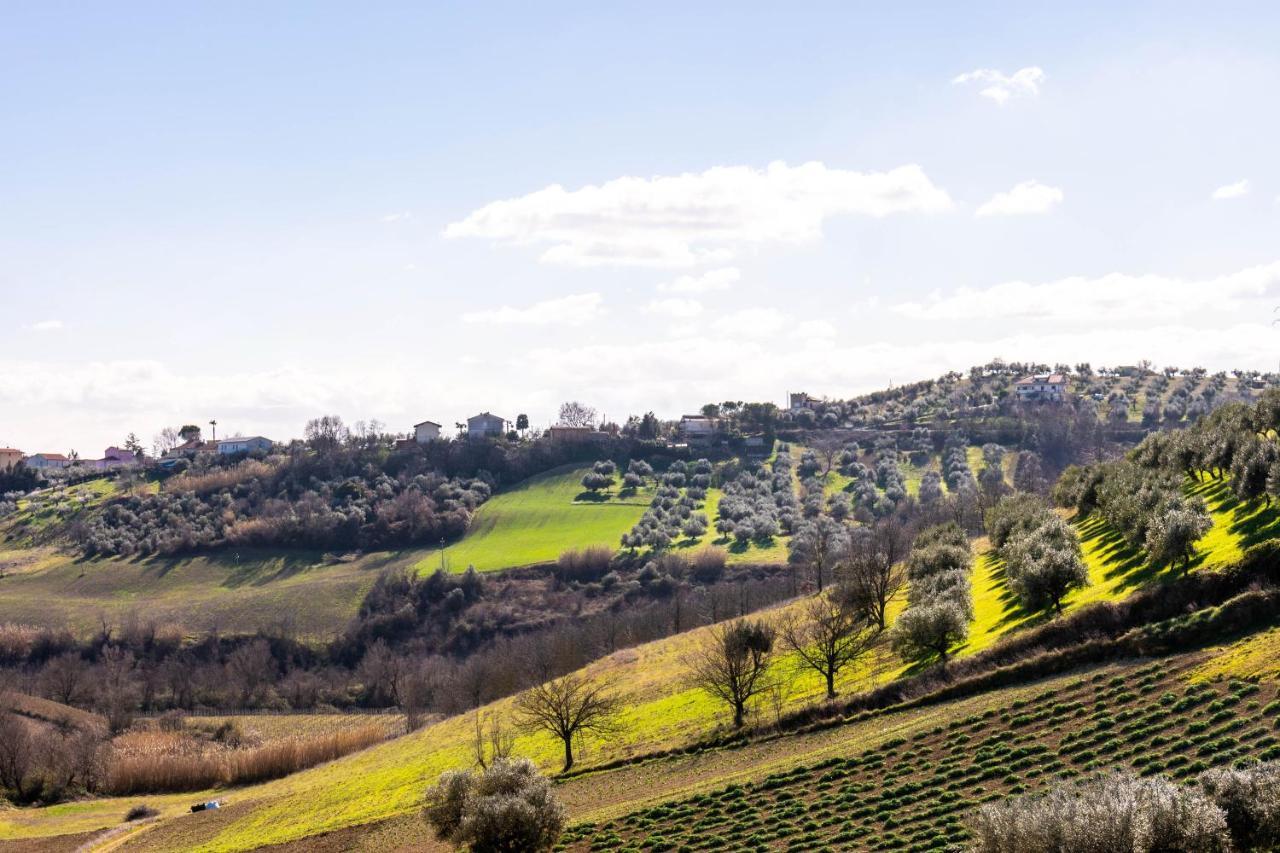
265	212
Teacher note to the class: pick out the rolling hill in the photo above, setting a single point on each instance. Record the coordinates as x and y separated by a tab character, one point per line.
385	782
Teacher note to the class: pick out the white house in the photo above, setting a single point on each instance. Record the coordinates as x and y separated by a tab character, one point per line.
485	425
426	431
250	444
1051	386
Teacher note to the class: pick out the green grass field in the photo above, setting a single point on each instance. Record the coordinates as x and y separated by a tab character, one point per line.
235	591
546	515
538	519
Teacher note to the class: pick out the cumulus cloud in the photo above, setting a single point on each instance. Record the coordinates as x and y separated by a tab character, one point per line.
47	326
1028	197
576	310
1001	88
675	307
1236	190
1111	299
718	279
695	218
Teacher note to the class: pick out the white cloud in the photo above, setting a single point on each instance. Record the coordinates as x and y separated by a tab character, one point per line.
1023	83
675	307
718	279
1236	190
1108	300
575	310
1028	197
47	326
694	218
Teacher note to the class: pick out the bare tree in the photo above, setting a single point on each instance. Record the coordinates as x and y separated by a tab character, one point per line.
66	679
491	743
828	450
819	544
732	664
872	574
828	635
567	707
164	441
576	414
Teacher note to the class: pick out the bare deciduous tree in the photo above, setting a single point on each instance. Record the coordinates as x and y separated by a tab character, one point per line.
827	635
567	707
872	575
732	664
576	414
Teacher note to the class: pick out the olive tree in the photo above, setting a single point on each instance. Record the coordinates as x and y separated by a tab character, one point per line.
508	808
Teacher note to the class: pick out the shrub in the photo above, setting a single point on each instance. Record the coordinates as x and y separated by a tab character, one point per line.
508	807
140	812
584	565
1250	798
1115	814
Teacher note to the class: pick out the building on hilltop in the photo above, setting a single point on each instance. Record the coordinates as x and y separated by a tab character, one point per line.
9	458
426	432
562	432
485	425
797	400
1049	387
48	461
698	429
240	444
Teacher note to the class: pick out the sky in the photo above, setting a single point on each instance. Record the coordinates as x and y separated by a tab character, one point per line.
261	213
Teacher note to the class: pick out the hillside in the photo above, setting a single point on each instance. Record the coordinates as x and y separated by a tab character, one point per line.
661	713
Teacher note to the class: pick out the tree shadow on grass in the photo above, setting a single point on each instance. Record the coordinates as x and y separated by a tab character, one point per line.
1254	521
591	497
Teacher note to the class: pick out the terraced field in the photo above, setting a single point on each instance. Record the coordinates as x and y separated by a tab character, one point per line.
912	792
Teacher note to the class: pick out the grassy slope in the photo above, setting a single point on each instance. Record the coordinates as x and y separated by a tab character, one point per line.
542	517
387	780
536	520
232	590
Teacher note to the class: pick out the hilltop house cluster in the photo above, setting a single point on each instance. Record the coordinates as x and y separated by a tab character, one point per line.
117	457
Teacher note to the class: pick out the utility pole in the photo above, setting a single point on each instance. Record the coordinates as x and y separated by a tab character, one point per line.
442	553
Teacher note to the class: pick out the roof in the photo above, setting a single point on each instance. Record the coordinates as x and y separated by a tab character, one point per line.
486	415
426	423
57	457
9	450
1050	379
241	439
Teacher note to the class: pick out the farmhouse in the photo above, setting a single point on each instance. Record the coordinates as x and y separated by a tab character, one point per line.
1045	387
698	429
426	432
47	461
797	400
561	432
113	457
251	444
9	457
485	425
